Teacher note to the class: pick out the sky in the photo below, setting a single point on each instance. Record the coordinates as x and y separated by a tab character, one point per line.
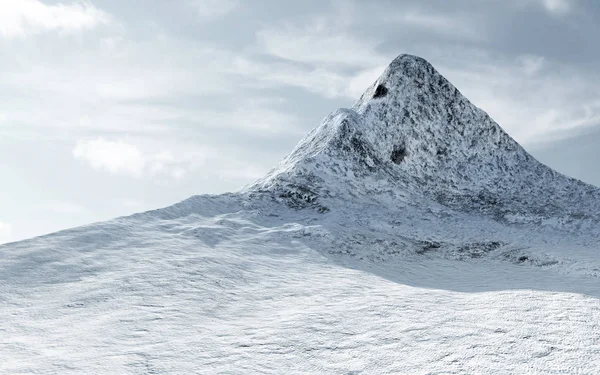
111	107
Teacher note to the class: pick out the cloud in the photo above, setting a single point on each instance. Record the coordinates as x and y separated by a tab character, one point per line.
5	231
123	158
318	42
324	55
445	25
328	83
557	6
531	64
210	9
259	116
552	7
119	157
24	17
359	82
93	87
533	98
113	156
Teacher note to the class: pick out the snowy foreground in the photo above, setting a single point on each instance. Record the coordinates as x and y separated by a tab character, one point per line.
409	234
239	293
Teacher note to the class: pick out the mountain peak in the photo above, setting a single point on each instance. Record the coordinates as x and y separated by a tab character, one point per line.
409	73
413	132
410	63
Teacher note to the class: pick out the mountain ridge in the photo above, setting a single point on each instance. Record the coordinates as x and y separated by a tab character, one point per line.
425	137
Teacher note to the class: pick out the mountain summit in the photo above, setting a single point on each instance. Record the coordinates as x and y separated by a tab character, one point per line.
413	132
407	234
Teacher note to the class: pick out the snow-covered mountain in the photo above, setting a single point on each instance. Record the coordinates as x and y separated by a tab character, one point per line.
412	131
408	234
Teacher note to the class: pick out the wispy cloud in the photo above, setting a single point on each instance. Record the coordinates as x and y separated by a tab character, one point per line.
531	64
446	25
556	103
24	17
128	85
325	55
319	55
259	116
210	9
321	81
328	83
318	42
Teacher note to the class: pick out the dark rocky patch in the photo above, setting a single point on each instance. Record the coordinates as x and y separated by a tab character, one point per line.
398	154
380	92
427	246
478	249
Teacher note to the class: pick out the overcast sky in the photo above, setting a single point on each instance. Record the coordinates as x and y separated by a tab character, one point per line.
110	107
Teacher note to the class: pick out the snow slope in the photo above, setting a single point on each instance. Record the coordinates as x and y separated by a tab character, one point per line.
409	234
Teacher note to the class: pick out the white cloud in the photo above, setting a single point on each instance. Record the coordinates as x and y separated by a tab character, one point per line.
178	173
210	9
124	158
553	7
226	164
113	156
5	230
23	17
531	64
557	6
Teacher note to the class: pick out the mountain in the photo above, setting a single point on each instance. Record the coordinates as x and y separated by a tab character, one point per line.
407	234
412	131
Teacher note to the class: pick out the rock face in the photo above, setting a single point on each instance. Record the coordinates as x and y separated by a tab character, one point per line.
413	133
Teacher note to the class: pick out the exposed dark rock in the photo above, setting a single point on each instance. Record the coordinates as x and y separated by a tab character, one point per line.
380	92
427	246
398	155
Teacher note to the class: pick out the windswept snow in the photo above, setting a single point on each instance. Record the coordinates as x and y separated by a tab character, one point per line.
408	234
240	292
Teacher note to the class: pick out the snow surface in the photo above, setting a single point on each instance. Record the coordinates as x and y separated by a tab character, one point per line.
462	255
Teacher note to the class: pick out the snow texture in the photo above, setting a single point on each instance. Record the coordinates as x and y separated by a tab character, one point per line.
408	234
